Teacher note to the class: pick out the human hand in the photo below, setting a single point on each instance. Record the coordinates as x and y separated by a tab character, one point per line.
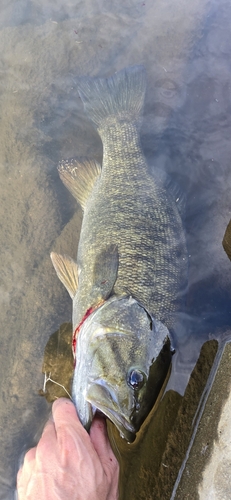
68	463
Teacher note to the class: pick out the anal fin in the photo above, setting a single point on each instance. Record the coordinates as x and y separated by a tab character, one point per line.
79	177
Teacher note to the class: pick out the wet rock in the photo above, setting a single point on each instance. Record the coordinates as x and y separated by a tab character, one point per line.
227	240
58	364
205	472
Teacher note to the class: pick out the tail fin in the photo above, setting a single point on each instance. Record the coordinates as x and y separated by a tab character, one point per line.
121	95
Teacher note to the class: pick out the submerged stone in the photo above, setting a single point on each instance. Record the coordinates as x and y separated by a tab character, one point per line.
58	364
227	240
205	472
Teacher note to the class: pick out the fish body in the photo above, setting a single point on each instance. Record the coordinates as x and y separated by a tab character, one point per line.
131	257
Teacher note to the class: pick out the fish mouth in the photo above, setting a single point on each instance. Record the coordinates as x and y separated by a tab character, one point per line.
125	428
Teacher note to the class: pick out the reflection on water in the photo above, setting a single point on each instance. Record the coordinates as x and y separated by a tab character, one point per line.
185	49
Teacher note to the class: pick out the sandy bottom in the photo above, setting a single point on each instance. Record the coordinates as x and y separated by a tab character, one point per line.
186	131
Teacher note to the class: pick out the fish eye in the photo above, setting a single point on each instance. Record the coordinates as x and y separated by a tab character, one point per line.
136	379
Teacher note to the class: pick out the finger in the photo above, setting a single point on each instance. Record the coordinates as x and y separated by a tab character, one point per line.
99	436
49	430
25	472
101	443
30	456
47	444
65	415
19	476
62	410
70	432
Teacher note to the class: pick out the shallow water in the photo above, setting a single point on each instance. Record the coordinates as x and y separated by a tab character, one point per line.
185	48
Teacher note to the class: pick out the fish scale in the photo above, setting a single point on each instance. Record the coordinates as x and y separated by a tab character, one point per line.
133	212
131	268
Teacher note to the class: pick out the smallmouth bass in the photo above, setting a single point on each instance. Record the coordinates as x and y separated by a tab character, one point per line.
131	263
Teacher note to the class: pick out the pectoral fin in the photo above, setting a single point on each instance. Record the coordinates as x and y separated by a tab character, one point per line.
79	177
67	272
105	273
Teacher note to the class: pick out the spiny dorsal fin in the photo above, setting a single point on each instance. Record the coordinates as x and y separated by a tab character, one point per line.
79	177
67	272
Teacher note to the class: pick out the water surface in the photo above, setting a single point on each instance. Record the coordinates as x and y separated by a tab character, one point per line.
185	48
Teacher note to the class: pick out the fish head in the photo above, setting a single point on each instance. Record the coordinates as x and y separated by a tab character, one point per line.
122	359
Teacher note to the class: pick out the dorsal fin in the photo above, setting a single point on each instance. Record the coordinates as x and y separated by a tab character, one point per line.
79	177
67	272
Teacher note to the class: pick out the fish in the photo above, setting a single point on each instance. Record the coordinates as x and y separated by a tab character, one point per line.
131	267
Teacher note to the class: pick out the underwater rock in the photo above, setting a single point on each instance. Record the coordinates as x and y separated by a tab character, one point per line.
58	364
205	472
227	240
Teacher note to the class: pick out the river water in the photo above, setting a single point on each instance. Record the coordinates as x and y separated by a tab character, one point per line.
185	48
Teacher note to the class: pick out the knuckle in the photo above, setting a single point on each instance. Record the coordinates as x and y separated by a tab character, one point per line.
43	450
29	456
